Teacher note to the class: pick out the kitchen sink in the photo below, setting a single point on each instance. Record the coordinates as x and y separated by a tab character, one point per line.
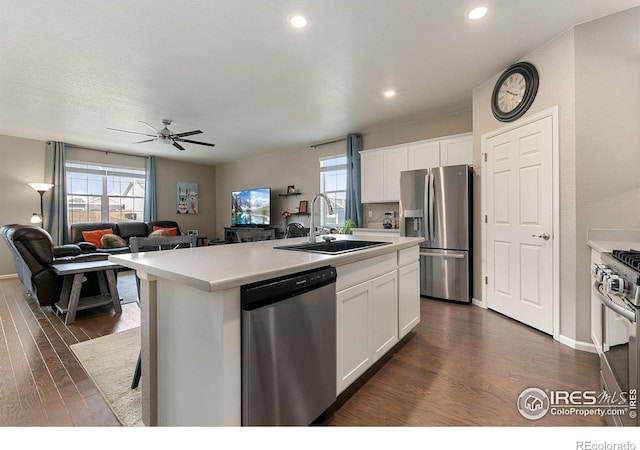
333	247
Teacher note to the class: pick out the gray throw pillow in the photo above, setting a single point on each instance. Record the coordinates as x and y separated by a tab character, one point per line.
112	241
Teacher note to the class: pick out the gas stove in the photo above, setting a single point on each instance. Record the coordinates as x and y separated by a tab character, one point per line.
621	273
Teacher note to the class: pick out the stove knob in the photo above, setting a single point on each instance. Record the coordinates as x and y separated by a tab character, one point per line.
603	275
596	268
614	284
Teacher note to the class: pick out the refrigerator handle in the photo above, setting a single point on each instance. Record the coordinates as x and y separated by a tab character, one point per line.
425	216
432	231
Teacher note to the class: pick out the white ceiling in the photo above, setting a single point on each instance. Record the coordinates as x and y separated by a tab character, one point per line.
237	71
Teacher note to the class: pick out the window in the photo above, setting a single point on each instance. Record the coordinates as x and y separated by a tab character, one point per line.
333	183
97	193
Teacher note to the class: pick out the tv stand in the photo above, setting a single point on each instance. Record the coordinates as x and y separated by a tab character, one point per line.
248	234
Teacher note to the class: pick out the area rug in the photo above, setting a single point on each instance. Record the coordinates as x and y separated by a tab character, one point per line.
110	362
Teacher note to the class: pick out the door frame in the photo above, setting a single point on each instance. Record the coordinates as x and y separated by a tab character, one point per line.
555	211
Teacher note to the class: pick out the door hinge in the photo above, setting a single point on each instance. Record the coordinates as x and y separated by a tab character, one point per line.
486	280
486	219
485	157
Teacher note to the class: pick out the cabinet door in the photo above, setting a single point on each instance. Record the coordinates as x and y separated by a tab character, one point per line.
424	155
384	300
353	328
372	173
408	298
394	161
456	151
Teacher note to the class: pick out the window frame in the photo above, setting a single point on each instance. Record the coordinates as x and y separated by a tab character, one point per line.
324	216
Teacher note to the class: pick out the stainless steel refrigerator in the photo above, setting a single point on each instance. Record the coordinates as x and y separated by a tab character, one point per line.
436	204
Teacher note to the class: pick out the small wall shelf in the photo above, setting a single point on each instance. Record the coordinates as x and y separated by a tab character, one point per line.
290	195
300	214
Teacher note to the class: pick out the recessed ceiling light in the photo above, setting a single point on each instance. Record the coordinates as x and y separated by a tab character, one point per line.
298	22
477	13
389	93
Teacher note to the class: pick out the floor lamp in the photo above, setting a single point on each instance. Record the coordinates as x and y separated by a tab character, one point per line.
40	188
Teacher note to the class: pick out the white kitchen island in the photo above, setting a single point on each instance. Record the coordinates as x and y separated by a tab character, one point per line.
191	318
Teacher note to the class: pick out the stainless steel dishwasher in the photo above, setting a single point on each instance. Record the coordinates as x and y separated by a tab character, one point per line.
289	348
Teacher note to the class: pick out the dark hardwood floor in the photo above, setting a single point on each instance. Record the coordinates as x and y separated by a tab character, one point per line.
461	366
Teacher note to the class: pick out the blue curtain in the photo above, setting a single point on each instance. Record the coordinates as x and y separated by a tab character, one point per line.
353	208
56	221
150	197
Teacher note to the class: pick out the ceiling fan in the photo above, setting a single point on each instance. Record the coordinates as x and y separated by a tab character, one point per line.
166	135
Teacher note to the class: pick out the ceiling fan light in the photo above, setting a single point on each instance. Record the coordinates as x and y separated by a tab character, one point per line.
477	13
298	22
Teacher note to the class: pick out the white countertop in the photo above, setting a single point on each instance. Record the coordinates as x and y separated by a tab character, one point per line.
608	240
218	267
391	231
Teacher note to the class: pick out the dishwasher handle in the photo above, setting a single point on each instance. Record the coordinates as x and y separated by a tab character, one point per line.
264	293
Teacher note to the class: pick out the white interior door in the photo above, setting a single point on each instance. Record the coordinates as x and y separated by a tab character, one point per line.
519	229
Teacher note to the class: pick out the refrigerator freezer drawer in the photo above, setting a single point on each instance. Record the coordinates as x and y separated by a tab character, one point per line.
444	274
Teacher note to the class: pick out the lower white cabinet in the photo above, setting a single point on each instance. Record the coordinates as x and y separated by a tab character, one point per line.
367	326
408	298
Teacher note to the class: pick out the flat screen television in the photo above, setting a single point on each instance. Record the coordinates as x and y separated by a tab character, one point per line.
251	207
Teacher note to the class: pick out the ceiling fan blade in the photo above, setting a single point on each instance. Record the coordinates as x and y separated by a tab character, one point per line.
195	142
146	140
132	132
178	146
150	126
187	133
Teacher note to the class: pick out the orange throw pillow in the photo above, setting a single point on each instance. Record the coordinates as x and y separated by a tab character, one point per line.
95	236
172	231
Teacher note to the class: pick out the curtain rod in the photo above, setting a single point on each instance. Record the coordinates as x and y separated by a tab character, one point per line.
328	142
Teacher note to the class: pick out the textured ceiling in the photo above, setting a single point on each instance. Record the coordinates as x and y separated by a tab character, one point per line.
237	71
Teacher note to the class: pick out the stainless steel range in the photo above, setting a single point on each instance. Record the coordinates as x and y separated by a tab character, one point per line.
617	281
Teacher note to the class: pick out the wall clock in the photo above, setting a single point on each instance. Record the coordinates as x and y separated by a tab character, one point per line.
514	91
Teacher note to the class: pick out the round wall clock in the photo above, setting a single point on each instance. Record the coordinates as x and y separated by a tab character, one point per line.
514	91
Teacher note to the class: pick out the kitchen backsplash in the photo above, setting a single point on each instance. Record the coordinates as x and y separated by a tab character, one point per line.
378	211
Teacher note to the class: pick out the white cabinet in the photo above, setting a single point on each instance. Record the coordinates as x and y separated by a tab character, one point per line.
380	168
408	290
380	174
423	155
367	326
456	150
371	173
353	328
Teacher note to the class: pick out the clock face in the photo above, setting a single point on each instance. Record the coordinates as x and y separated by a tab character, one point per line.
511	92
514	92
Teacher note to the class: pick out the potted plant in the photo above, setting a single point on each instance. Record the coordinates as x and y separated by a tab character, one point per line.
348	225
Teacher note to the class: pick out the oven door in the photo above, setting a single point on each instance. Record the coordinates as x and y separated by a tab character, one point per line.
619	354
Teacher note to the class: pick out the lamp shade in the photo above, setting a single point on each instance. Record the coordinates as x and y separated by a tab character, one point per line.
35	218
41	187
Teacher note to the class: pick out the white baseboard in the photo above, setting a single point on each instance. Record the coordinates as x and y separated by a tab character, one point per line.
9	276
480	303
578	345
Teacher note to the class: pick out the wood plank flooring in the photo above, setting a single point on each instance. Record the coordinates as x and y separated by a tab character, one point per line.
461	366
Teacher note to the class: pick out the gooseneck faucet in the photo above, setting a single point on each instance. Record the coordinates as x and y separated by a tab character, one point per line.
312	227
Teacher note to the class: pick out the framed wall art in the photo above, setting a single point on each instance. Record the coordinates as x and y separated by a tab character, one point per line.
187	198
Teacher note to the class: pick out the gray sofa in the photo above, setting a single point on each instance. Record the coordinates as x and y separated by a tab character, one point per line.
125	230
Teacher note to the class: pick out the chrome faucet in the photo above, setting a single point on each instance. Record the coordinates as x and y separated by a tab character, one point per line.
312	227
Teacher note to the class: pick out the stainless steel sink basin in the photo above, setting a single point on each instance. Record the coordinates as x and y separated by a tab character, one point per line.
332	247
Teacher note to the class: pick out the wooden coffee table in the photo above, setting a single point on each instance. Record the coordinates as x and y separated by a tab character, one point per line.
73	273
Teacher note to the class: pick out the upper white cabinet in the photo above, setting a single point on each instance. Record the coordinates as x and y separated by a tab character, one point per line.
380	168
380	174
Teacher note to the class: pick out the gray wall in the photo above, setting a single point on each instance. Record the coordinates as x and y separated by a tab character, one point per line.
23	162
591	73
301	167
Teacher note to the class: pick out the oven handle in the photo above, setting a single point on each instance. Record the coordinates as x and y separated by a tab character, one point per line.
604	299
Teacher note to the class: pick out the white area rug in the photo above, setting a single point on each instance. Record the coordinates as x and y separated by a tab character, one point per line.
110	362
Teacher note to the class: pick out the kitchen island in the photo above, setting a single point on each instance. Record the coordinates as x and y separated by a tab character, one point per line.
191	318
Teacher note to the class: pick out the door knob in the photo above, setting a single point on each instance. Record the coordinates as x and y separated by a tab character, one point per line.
545	236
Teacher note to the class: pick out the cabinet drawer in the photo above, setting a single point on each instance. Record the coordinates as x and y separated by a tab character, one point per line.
408	256
361	271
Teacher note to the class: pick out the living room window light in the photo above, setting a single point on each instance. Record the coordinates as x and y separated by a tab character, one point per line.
100	193
333	183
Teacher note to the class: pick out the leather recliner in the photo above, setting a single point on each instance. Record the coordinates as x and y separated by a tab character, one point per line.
34	253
